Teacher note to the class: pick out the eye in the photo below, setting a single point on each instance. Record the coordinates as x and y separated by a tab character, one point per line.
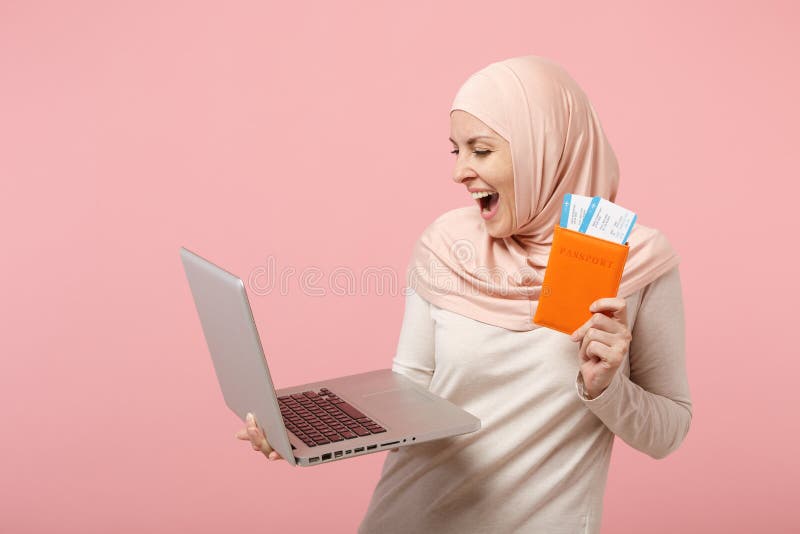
478	152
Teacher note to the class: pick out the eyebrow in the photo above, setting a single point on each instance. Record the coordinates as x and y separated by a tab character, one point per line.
474	138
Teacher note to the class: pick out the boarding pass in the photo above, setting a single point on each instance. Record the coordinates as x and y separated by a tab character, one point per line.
597	216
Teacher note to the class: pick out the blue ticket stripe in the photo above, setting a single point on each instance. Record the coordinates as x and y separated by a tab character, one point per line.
625	240
565	210
589	214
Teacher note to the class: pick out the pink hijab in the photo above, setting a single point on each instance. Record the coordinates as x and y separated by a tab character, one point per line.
558	147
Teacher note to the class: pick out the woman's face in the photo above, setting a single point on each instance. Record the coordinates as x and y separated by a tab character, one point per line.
483	163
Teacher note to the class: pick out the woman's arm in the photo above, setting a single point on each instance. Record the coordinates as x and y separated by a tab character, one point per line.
652	410
415	349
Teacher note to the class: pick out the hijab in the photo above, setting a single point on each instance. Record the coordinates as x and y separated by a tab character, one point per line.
557	146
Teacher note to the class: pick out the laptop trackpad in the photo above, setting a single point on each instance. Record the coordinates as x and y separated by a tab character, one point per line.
397	397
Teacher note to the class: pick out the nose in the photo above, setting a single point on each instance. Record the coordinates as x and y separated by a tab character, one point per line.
462	171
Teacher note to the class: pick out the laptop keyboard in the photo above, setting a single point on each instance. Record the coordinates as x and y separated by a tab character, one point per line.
318	418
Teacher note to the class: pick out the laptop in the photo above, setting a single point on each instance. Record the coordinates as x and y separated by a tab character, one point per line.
317	422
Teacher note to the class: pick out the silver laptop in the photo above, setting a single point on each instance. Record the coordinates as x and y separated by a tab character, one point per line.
316	422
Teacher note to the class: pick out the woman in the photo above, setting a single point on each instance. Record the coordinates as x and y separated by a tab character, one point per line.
524	134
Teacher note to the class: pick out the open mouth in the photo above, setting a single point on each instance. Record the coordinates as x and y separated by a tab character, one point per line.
489	202
488	205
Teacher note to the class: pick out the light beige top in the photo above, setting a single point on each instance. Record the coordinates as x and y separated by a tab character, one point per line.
540	461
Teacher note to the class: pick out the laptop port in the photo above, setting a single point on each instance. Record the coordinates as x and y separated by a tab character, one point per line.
337	454
359	449
326	456
348	451
314	459
390	443
370	447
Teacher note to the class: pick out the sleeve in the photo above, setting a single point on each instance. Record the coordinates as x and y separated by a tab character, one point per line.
652	410
415	349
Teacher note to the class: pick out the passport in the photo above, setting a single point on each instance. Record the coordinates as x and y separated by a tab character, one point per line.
583	267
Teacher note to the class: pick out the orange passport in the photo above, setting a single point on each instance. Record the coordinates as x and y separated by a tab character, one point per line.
581	269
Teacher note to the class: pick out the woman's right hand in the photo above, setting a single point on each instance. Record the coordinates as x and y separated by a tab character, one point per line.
254	434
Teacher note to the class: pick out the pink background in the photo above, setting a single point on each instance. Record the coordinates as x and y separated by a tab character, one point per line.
317	135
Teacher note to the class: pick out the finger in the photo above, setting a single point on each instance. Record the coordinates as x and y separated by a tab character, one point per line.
602	352
266	449
253	426
251	420
613	307
607	303
255	439
605	325
258	440
590	351
242	434
255	435
592	334
578	334
603	347
264	446
599	321
599	336
611	325
395	449
582	357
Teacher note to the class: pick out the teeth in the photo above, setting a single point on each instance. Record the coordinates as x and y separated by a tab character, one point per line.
480	194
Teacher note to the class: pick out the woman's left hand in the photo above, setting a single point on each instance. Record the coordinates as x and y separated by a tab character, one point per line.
604	340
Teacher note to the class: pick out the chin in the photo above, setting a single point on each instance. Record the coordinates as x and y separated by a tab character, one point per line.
498	233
